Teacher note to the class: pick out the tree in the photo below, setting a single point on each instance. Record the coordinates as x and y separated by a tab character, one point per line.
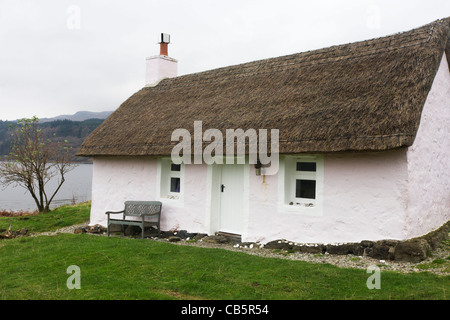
34	161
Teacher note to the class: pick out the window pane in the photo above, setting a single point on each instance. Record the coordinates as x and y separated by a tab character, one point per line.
305	189
175	167
306	166
174	184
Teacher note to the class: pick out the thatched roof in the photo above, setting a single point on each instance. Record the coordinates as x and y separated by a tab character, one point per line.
366	95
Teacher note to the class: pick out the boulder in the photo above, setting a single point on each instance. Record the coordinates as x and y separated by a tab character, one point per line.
215	239
315	248
98	229
183	234
199	236
383	249
79	230
279	244
166	234
435	238
132	231
413	250
150	232
341	249
174	239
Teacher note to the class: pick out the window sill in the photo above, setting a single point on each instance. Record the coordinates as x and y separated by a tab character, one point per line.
172	201
301	204
306	209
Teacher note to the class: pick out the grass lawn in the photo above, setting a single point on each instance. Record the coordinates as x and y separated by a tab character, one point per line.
125	268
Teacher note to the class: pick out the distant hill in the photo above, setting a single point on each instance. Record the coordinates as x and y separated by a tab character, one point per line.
79	116
58	130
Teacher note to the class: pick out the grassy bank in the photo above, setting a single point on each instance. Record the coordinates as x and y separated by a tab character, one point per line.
58	218
124	268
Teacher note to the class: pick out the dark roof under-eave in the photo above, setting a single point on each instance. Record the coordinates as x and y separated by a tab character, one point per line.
366	96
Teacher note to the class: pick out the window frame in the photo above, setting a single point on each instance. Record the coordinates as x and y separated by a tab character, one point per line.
165	174
302	175
287	179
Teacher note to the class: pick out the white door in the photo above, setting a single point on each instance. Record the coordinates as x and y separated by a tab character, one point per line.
231	198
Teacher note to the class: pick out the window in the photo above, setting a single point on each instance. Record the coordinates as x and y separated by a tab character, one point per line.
171	179
306	166
305	189
301	184
175	178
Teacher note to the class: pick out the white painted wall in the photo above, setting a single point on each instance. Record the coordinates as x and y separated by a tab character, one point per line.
364	196
192	217
118	179
429	161
363	199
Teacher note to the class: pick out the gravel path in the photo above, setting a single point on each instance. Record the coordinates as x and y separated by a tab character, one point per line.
343	261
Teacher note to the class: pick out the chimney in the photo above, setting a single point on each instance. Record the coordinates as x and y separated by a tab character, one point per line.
161	66
164	44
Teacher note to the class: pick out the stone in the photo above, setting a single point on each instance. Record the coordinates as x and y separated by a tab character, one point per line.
150	232
166	234
318	248
391	253
279	244
174	239
379	251
132	231
199	236
246	245
215	239
382	249
341	249
98	229
79	230
364	248
367	243
183	234
435	238
413	250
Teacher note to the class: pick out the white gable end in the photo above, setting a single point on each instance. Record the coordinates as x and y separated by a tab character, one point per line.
429	161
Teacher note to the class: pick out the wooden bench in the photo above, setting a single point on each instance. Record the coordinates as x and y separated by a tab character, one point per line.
147	212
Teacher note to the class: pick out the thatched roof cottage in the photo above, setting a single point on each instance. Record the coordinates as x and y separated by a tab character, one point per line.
363	142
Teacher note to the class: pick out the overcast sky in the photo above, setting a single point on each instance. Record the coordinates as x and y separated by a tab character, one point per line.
59	57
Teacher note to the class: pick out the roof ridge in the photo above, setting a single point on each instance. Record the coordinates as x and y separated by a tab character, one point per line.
421	35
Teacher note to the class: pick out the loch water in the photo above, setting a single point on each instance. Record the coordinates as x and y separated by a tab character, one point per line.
76	188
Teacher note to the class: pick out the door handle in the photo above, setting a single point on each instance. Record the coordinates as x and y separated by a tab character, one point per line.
222	187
